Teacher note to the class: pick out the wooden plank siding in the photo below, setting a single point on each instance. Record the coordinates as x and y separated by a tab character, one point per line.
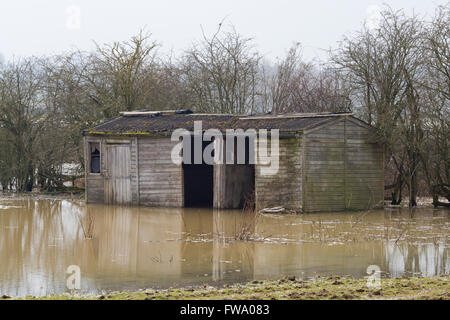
95	183
324	168
343	168
160	180
95	189
284	188
118	181
364	179
334	166
233	183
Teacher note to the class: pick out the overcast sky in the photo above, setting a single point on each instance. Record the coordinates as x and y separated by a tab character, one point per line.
36	27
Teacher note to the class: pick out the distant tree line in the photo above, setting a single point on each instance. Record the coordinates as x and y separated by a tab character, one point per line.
396	77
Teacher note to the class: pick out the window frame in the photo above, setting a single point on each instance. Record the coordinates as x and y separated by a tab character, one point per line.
90	157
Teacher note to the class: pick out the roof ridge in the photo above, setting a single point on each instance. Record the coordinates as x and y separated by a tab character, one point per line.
298	115
136	113
215	114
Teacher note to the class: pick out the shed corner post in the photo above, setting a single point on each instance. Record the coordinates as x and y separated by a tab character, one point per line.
345	165
85	154
219	176
303	175
138	193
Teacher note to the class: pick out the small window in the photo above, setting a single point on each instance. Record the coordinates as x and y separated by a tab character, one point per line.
94	148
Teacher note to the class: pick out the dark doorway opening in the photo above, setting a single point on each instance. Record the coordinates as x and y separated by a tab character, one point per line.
198	181
240	178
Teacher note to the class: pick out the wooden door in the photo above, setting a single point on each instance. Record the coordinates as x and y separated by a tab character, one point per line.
117	175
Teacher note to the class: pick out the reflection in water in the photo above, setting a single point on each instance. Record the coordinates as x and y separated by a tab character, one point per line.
136	248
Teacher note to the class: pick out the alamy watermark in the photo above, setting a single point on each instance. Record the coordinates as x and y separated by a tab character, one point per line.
73	20
73	281
237	147
374	279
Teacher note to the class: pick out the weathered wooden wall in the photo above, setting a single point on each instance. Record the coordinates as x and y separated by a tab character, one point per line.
333	167
134	171
343	168
323	179
233	183
364	168
285	187
95	183
160	180
95	188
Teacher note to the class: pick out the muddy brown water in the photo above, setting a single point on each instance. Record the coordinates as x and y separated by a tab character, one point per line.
123	248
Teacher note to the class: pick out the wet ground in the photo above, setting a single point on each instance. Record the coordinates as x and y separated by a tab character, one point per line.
123	248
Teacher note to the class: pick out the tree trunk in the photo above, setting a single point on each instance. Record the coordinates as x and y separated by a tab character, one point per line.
441	190
397	194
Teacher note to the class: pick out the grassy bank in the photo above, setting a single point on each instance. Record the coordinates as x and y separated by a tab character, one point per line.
342	288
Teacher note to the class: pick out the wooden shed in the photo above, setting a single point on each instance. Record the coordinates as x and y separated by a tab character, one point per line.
327	162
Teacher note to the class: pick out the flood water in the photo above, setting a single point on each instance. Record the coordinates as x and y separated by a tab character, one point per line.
123	248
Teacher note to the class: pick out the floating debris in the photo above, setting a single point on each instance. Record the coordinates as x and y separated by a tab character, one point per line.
9	207
225	261
273	210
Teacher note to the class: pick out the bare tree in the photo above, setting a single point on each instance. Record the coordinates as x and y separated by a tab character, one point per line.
396	77
119	74
435	155
382	67
222	73
21	117
297	86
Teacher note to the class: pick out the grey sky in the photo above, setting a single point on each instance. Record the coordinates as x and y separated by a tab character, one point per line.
45	27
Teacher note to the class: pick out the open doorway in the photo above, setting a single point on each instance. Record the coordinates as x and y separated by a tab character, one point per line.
238	191
198	181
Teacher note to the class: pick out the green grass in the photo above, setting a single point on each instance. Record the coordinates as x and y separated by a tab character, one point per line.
333	287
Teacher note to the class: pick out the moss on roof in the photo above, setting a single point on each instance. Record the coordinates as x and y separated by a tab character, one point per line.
167	123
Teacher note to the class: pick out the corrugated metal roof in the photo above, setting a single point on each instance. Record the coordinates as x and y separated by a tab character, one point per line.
166	123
